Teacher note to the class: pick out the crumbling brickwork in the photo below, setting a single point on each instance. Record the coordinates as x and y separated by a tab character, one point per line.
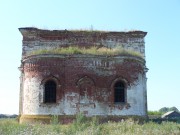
84	82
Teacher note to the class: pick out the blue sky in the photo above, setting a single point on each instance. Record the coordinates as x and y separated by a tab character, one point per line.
160	18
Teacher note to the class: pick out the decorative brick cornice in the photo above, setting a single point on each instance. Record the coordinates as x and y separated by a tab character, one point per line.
31	33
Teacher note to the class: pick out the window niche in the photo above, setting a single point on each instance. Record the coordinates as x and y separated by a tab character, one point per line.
86	90
119	92
50	91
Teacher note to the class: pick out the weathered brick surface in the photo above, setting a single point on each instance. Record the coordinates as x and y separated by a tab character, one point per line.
34	39
85	82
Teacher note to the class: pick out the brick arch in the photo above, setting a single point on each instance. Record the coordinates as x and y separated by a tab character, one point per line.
86	85
51	77
122	80
86	79
59	93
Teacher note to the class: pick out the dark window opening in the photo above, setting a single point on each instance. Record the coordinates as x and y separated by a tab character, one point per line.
50	92
119	92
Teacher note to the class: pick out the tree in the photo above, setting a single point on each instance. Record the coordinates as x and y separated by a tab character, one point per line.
173	109
164	110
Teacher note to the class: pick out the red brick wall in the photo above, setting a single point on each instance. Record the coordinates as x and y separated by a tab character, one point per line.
69	71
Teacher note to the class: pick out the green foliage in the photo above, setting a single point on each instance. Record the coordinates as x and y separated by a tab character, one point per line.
154	113
54	120
92	50
86	126
173	109
80	119
81	123
163	110
166	109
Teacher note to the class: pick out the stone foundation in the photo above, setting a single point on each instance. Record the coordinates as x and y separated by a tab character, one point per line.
67	119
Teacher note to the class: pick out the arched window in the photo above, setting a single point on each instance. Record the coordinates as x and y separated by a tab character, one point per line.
50	92
119	92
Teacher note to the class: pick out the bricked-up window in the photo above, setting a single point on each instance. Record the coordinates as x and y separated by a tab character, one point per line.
119	92
50	92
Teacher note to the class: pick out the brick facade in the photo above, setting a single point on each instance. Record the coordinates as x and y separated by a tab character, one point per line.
84	82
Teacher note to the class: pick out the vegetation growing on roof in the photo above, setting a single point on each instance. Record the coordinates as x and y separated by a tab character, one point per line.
92	50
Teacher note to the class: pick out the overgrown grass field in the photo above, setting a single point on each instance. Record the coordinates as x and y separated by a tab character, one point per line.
89	127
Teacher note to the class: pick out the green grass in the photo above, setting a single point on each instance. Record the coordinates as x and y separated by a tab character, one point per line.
155	113
82	126
93	51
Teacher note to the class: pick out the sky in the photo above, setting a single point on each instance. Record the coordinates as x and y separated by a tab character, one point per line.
160	18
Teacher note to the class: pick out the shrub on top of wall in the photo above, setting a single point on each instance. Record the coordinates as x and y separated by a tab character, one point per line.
92	50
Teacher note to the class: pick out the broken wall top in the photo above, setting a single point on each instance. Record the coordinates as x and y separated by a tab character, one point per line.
38	39
30	33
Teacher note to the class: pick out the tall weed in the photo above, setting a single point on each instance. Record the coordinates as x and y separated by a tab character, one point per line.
86	126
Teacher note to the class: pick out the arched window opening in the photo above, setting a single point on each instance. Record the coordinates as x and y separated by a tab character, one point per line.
119	92
50	92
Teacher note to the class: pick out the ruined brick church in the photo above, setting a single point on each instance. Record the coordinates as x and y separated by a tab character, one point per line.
97	73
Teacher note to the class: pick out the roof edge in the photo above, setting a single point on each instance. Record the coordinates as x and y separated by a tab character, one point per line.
26	30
